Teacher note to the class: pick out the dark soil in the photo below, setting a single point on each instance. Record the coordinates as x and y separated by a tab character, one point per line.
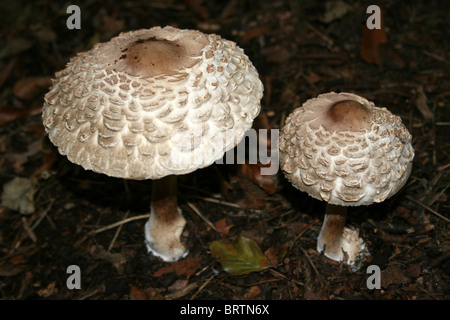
299	54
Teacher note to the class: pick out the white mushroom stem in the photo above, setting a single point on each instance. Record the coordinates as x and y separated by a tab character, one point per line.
338	242
330	238
166	223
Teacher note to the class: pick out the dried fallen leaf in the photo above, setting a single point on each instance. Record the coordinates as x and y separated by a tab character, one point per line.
414	270
48	291
272	256
30	87
263	172
223	227
393	274
154	293
181	292
137	294
254	33
241	257
269	183
178	285
253	292
186	267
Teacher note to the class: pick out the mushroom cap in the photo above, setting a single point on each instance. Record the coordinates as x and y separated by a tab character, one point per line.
344	150
153	102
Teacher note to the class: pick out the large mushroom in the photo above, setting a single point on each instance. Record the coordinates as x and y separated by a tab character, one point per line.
342	149
153	104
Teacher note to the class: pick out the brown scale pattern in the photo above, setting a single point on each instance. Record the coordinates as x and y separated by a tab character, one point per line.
142	125
344	167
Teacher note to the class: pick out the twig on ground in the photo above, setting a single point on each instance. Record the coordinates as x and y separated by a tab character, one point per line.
118	223
313	266
202	287
428	208
197	211
117	234
228	204
26	227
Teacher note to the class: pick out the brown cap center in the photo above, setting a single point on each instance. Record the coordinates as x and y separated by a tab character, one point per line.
152	56
347	115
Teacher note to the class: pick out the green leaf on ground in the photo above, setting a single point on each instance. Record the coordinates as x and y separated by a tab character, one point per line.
241	257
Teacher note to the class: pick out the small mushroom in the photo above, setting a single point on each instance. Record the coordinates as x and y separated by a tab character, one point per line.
153	104
342	149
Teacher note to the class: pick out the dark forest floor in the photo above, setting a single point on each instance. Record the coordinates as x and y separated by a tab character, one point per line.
301	49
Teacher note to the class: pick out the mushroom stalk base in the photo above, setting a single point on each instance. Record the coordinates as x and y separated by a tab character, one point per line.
166	223
338	242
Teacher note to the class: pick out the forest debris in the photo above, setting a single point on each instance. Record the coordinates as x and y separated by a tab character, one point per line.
438	260
43	32
335	10
393	274
253	33
31	87
47	291
198	212
6	71
119	223
371	42
228	204
202	286
9	270
314	295
428	208
272	256
28	230
178	285
186	267
240	257
253	172
14	47
223	227
259	173
253	292
199	8
181	291
276	54
413	270
116	259
329	42
247	195
18	195
137	293
421	103
9	114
